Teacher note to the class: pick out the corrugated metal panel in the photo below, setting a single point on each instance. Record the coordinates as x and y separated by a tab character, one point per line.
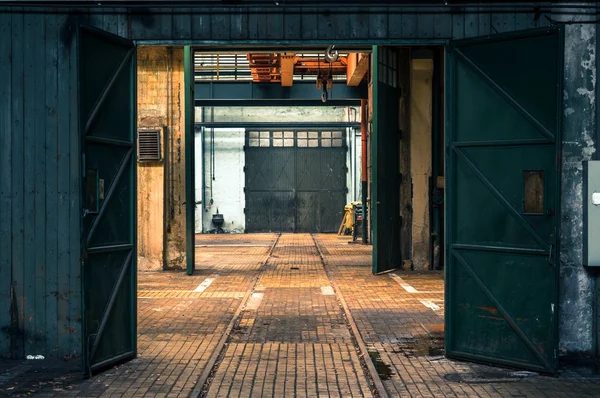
39	147
39	190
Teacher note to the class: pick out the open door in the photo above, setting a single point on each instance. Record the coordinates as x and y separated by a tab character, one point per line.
385	186
503	142
107	118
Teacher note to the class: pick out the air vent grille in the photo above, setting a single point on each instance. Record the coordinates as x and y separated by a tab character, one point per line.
148	148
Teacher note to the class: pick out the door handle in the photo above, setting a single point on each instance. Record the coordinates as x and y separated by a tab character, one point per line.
550	253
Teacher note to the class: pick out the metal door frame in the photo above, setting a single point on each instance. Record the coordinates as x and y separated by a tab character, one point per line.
345	127
449	111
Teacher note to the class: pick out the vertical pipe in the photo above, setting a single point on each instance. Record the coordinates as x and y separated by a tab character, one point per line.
365	188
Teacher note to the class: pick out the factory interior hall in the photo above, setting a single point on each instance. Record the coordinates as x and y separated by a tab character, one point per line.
310	220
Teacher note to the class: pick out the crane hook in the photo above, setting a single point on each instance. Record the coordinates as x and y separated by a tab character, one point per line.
331	54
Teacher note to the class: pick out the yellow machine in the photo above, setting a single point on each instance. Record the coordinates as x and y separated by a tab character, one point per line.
347	225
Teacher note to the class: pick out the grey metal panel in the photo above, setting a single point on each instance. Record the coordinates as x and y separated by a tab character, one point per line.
18	187
39	218
29	163
472	23
485	24
68	243
239	24
51	208
38	337
5	183
221	26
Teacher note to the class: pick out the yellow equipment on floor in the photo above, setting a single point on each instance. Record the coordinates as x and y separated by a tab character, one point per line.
347	225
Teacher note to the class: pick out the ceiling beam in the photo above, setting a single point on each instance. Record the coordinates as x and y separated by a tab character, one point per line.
358	65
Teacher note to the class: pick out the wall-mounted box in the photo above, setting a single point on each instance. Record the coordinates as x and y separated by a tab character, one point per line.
591	213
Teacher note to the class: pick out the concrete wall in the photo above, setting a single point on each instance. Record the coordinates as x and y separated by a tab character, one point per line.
227	188
420	147
577	283
161	215
224	180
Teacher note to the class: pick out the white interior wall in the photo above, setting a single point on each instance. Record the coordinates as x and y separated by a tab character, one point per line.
228	186
198	183
224	181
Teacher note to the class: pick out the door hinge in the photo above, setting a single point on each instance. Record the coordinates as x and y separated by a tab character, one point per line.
244	210
244	168
244	189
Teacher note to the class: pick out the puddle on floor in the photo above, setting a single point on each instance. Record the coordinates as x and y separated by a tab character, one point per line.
383	370
421	348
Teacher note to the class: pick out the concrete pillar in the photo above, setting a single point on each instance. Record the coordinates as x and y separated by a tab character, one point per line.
577	283
420	145
404	68
161	216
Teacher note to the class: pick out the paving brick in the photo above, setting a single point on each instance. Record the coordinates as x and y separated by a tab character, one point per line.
292	339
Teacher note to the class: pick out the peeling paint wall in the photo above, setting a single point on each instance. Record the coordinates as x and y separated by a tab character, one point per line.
577	283
160	105
421	99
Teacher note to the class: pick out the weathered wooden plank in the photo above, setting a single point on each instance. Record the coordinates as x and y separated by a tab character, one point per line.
395	25
75	211
458	25
39	180
18	238
523	21
293	24
96	17
5	182
275	26
110	21
221	28
310	24
261	30
122	24
165	23
471	22
182	24
329	22
29	159
378	23
425	26
409	24
201	26
442	25
485	23
143	24
63	180
51	299
359	26
501	23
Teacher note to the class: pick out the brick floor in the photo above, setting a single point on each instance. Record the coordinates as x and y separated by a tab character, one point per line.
292	338
400	318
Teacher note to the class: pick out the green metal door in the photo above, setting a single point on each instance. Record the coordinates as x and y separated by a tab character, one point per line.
503	139
107	111
385	187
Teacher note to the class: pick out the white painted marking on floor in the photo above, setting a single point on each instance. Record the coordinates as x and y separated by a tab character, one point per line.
204	285
327	291
404	285
254	301
429	304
